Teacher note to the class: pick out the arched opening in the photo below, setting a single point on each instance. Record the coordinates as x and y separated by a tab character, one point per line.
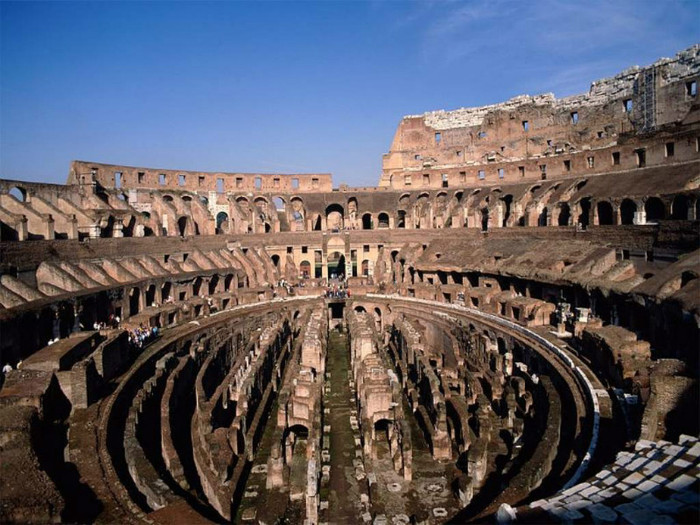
151	295
336	265
680	207
605	213
108	229
352	207
168	198
18	193
484	219
182	226
276	261
367	221
383	220
128	226
305	269
196	286
542	219
334	217
378	319
502	348
134	301
268	228
654	209
627	210
279	203
564	214
297	209
507	202
187	199
222	222
365	268
213	283
228	280
401	219
584	217
165	292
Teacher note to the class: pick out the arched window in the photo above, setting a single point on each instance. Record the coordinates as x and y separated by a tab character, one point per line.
680	207
627	210
655	209
222	224
19	193
605	213
334	217
564	214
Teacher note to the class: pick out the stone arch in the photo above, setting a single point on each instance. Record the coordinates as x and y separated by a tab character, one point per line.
222	222
196	286
364	268
305	269
584	217
604	211
401	218
150	295
134	301
680	207
213	283
564	214
352	207
297	208
18	193
627	210
166	291
280	204
507	201
484	218
543	216
335	216
276	260
377	312
367	221
383	220
336	264
182	225
654	209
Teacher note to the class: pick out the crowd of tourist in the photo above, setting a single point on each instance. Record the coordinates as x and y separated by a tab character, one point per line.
337	292
141	336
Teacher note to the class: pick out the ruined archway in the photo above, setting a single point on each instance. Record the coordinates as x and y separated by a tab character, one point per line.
605	213
654	209
336	265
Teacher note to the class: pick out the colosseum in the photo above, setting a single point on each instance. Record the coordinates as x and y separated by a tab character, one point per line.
504	329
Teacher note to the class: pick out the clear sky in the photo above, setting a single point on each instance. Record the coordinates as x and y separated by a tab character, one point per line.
291	87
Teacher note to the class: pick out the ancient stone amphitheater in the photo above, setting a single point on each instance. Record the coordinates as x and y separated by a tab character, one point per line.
505	328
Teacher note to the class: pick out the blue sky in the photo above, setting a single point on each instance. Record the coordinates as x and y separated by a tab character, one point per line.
291	87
